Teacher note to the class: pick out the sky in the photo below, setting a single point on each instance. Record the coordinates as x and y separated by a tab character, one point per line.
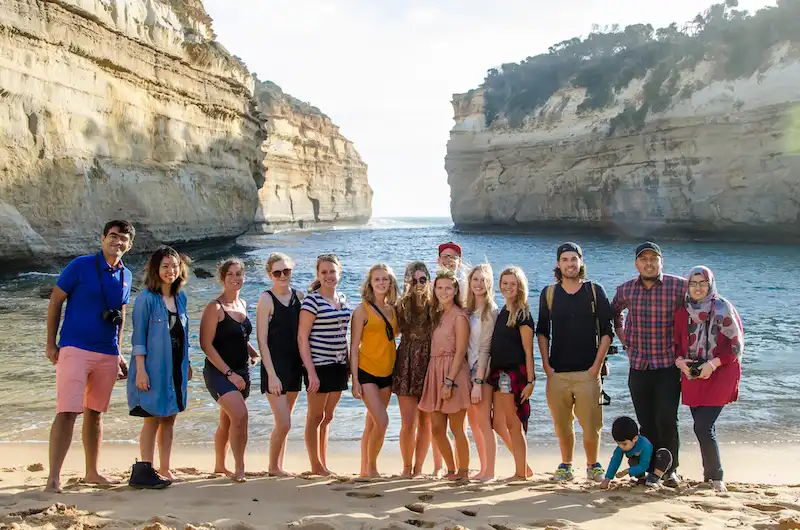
385	70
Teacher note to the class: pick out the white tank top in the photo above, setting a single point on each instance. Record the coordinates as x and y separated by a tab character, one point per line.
474	346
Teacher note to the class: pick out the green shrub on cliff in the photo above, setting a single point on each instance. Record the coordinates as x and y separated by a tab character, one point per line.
607	60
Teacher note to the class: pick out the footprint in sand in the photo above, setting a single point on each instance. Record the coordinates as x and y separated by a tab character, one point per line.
35	467
188	470
765	507
553	523
425	497
363	494
420	523
682	520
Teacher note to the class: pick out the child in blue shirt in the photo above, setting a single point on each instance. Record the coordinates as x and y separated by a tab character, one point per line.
639	451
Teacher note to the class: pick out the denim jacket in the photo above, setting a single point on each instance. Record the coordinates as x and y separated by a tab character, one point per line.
151	338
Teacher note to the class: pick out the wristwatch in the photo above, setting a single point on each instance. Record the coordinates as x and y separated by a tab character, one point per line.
477	380
229	373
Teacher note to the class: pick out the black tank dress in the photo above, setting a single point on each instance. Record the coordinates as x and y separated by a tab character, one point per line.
282	343
230	341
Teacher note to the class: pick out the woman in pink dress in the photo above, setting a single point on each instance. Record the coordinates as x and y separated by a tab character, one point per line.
446	392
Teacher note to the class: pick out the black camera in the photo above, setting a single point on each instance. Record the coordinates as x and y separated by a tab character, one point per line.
613	350
114	316
696	369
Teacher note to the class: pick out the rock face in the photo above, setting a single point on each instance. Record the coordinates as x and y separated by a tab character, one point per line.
723	163
314	175
121	109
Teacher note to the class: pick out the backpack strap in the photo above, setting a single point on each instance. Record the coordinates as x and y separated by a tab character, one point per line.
549	295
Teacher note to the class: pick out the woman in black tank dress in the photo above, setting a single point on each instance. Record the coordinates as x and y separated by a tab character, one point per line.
225	339
277	315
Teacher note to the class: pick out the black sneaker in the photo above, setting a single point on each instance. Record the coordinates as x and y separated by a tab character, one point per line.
652	479
143	476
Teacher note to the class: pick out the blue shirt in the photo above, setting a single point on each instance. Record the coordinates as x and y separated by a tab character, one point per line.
151	338
83	325
643	449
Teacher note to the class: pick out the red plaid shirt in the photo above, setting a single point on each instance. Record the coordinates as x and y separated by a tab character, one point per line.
647	329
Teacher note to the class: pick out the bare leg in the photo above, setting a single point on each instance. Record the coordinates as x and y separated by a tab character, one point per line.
409	414
437	457
60	440
424	438
377	400
330	407
236	409
282	416
166	428
484	424
473	415
221	443
92	440
500	426
147	439
316	413
456	421
369	425
519	447
439	431
292	399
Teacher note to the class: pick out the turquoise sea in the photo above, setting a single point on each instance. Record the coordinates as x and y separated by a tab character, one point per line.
758	279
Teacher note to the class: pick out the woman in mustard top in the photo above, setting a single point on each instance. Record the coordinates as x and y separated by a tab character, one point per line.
373	331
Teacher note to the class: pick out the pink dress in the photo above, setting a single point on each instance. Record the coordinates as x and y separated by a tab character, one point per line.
443	350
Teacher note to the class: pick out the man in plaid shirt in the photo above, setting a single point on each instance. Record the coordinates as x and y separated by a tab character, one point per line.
651	300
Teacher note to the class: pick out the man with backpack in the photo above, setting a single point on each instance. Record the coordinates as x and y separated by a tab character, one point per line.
574	333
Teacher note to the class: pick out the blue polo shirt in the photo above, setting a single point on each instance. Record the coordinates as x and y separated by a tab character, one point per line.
83	325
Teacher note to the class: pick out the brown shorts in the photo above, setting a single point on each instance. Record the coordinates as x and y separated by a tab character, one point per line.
575	394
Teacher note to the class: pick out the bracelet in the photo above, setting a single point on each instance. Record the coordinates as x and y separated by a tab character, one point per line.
531	382
229	373
713	366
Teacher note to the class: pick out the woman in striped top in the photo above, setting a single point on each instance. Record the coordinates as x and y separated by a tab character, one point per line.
322	338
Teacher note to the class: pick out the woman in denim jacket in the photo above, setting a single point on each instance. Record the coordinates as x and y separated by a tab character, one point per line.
159	367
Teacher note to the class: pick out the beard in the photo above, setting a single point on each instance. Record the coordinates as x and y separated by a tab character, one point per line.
650	278
571	275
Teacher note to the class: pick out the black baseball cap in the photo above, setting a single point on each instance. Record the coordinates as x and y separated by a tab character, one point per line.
569	246
648	245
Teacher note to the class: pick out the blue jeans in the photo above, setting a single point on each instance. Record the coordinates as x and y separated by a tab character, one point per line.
705	419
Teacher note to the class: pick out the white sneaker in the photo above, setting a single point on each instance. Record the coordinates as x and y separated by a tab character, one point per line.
719	486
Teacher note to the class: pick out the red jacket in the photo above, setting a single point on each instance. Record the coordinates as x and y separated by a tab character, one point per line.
723	385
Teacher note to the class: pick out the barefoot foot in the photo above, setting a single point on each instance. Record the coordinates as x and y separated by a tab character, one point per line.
97	479
238	476
167	474
222	471
279	473
321	471
53	485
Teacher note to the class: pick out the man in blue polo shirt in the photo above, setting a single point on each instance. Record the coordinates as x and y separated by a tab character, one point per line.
87	357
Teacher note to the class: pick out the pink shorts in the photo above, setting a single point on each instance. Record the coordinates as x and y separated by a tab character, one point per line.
84	379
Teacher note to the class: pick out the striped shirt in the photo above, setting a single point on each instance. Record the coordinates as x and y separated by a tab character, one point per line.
647	333
328	338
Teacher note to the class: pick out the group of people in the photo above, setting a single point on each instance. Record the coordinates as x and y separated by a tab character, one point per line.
460	358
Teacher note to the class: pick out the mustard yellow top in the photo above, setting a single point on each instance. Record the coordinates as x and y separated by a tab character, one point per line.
377	353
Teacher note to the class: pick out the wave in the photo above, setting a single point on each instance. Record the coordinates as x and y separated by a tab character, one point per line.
37	274
385	223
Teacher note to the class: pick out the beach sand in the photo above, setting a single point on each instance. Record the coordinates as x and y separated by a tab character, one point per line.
763	481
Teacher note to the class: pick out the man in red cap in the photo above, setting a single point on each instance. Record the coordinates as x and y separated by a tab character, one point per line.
450	259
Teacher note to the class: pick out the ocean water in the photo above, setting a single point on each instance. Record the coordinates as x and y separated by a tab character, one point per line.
759	279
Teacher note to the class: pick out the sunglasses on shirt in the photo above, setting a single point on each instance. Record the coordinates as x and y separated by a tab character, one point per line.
282	272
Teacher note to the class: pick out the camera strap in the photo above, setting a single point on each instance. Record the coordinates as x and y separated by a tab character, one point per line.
100	279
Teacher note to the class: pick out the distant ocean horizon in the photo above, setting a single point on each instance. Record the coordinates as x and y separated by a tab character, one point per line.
748	274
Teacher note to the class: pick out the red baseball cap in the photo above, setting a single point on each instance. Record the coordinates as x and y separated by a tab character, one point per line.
450	245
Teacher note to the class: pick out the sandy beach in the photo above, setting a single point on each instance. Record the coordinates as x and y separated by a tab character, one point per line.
763	481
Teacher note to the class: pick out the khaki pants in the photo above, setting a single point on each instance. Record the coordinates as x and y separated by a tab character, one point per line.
575	394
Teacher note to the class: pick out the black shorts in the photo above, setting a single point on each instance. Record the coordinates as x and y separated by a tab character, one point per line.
291	378
332	377
218	385
366	378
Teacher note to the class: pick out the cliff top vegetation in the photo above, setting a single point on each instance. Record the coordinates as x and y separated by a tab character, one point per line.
736	42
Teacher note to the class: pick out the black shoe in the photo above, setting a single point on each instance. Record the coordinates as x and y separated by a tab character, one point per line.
143	476
672	480
652	479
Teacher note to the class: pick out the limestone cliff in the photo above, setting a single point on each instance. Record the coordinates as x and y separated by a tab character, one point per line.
121	108
719	158
314	175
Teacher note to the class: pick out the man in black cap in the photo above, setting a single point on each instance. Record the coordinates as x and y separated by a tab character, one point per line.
651	300
573	353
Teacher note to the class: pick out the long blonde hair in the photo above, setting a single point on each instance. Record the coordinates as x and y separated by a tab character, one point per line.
368	294
488	282
519	309
330	258
436	307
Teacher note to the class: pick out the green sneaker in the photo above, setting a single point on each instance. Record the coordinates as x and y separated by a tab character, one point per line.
596	473
563	473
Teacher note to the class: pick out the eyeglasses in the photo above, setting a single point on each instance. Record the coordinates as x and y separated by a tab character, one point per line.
702	283
422	280
285	272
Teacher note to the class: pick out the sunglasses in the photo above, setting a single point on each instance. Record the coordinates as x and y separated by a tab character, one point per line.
327	256
285	272
422	281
